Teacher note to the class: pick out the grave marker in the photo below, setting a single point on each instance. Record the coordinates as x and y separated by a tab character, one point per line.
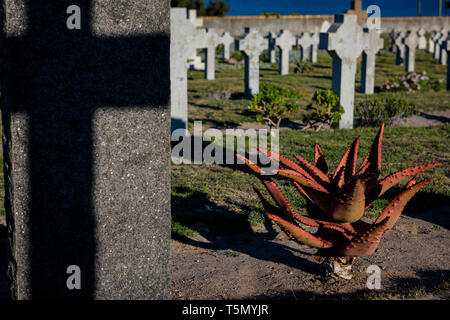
271	47
305	43
252	44
86	134
345	42
227	40
399	48
284	42
212	41
411	42
185	38
356	9
376	43
422	39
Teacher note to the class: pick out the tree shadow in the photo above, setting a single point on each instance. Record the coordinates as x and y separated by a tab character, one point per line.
441	119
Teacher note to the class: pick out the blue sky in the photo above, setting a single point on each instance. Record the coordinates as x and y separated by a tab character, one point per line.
389	8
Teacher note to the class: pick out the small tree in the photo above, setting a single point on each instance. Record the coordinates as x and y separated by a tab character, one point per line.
325	108
271	105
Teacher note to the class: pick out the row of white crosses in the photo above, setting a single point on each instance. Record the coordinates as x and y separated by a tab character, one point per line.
185	39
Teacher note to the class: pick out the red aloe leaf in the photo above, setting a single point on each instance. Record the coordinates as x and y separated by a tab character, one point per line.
315	192
395	178
250	164
285	161
366	243
318	175
372	161
350	165
298	234
280	199
350	203
396	206
319	160
346	167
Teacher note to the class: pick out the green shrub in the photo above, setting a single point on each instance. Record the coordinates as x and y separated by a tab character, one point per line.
388	110
271	106
324	109
264	57
237	55
303	67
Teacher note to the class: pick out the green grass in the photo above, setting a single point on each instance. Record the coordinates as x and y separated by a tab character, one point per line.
220	200
219	113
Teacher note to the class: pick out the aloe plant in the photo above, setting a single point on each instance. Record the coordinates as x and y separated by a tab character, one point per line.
337	201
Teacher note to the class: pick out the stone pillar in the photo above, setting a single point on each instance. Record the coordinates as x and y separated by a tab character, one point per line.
86	131
376	43
271	47
411	42
185	38
212	41
345	41
251	45
399	48
284	42
226	39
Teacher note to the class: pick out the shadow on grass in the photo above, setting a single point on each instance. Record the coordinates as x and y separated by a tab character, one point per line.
441	119
213	221
432	281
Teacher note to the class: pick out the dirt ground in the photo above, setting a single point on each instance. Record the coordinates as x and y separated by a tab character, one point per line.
413	257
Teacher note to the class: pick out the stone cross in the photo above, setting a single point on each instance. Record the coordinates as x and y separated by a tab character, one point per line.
252	45
285	41
185	38
422	39
315	46
442	46
345	41
305	43
227	40
399	48
271	47
411	42
356	9
86	130
376	43
437	47
212	41
325	26
431	42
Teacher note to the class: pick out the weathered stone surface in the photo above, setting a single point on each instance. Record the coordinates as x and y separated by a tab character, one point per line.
86	127
284	41
399	48
356	9
252	45
185	38
345	41
376	43
271	47
411	42
212	41
315	46
227	40
431	42
437	46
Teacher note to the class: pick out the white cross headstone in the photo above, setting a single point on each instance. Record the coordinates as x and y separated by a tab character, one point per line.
226	39
437	47
252	45
325	26
185	38
284	42
376	43
212	41
345	41
422	39
315	46
271	47
399	48
305	43
411	42
431	42
442	46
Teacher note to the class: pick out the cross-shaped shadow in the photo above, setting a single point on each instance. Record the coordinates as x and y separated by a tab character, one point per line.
59	79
